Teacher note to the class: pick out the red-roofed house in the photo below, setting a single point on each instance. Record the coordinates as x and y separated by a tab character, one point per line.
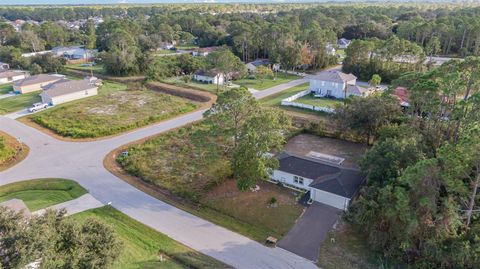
403	96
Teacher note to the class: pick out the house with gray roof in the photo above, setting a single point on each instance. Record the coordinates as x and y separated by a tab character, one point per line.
335	84
326	183
69	90
35	83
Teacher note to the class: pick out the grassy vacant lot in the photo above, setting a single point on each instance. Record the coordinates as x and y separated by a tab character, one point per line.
42	193
266	83
192	84
4	89
191	164
276	99
348	249
320	102
11	151
160	52
18	102
113	111
143	246
98	68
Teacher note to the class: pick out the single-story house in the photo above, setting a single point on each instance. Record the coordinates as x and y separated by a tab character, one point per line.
330	49
252	66
7	76
211	76
74	52
343	43
403	96
327	183
35	83
4	66
203	51
334	84
69	90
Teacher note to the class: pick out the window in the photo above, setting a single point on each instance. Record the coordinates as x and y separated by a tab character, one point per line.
298	180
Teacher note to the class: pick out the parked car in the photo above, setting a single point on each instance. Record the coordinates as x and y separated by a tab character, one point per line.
37	106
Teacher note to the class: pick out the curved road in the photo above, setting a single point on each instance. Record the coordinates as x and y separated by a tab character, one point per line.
83	162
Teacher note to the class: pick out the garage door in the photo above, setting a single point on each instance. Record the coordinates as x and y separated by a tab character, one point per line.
329	199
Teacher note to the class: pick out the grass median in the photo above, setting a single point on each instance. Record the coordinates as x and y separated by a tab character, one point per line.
144	247
41	193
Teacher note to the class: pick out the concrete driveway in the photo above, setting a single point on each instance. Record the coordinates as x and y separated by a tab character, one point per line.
306	236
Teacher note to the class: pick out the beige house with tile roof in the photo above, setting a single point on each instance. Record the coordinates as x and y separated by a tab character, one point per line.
35	83
69	90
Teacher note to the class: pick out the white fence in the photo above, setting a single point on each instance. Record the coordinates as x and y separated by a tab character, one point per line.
289	102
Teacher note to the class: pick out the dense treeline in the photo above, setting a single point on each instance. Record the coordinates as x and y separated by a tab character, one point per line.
455	27
421	202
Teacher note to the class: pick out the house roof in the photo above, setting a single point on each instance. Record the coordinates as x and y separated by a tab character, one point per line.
207	73
17	205
9	74
37	79
259	62
334	76
354	89
68	86
343	41
402	94
329	178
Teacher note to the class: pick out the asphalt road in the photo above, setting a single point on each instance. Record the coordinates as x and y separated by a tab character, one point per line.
83	162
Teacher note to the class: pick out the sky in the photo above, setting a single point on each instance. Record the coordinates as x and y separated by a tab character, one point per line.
86	2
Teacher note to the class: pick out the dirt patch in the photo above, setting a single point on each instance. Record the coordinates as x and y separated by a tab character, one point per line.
304	143
271	206
21	151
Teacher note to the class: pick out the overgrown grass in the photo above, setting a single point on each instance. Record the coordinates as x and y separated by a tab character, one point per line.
6	151
162	52
6	88
113	111
18	102
98	68
193	84
42	193
258	84
191	164
143	246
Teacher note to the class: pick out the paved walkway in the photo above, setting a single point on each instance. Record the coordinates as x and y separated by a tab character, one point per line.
3	96
82	203
308	234
83	162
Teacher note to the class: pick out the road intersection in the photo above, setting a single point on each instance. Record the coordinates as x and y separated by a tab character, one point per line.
83	162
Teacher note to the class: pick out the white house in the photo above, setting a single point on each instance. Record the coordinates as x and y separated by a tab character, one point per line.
328	184
7	76
336	84
343	43
69	90
211	76
73	52
330	49
203	51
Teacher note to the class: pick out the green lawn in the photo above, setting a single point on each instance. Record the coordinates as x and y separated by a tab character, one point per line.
186	47
192	84
98	68
160	52
266	83
191	164
18	102
142	246
114	110
6	88
42	193
320	102
276	99
7	151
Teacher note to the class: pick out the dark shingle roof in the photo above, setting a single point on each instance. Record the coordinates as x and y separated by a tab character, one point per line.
37	79
329	178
